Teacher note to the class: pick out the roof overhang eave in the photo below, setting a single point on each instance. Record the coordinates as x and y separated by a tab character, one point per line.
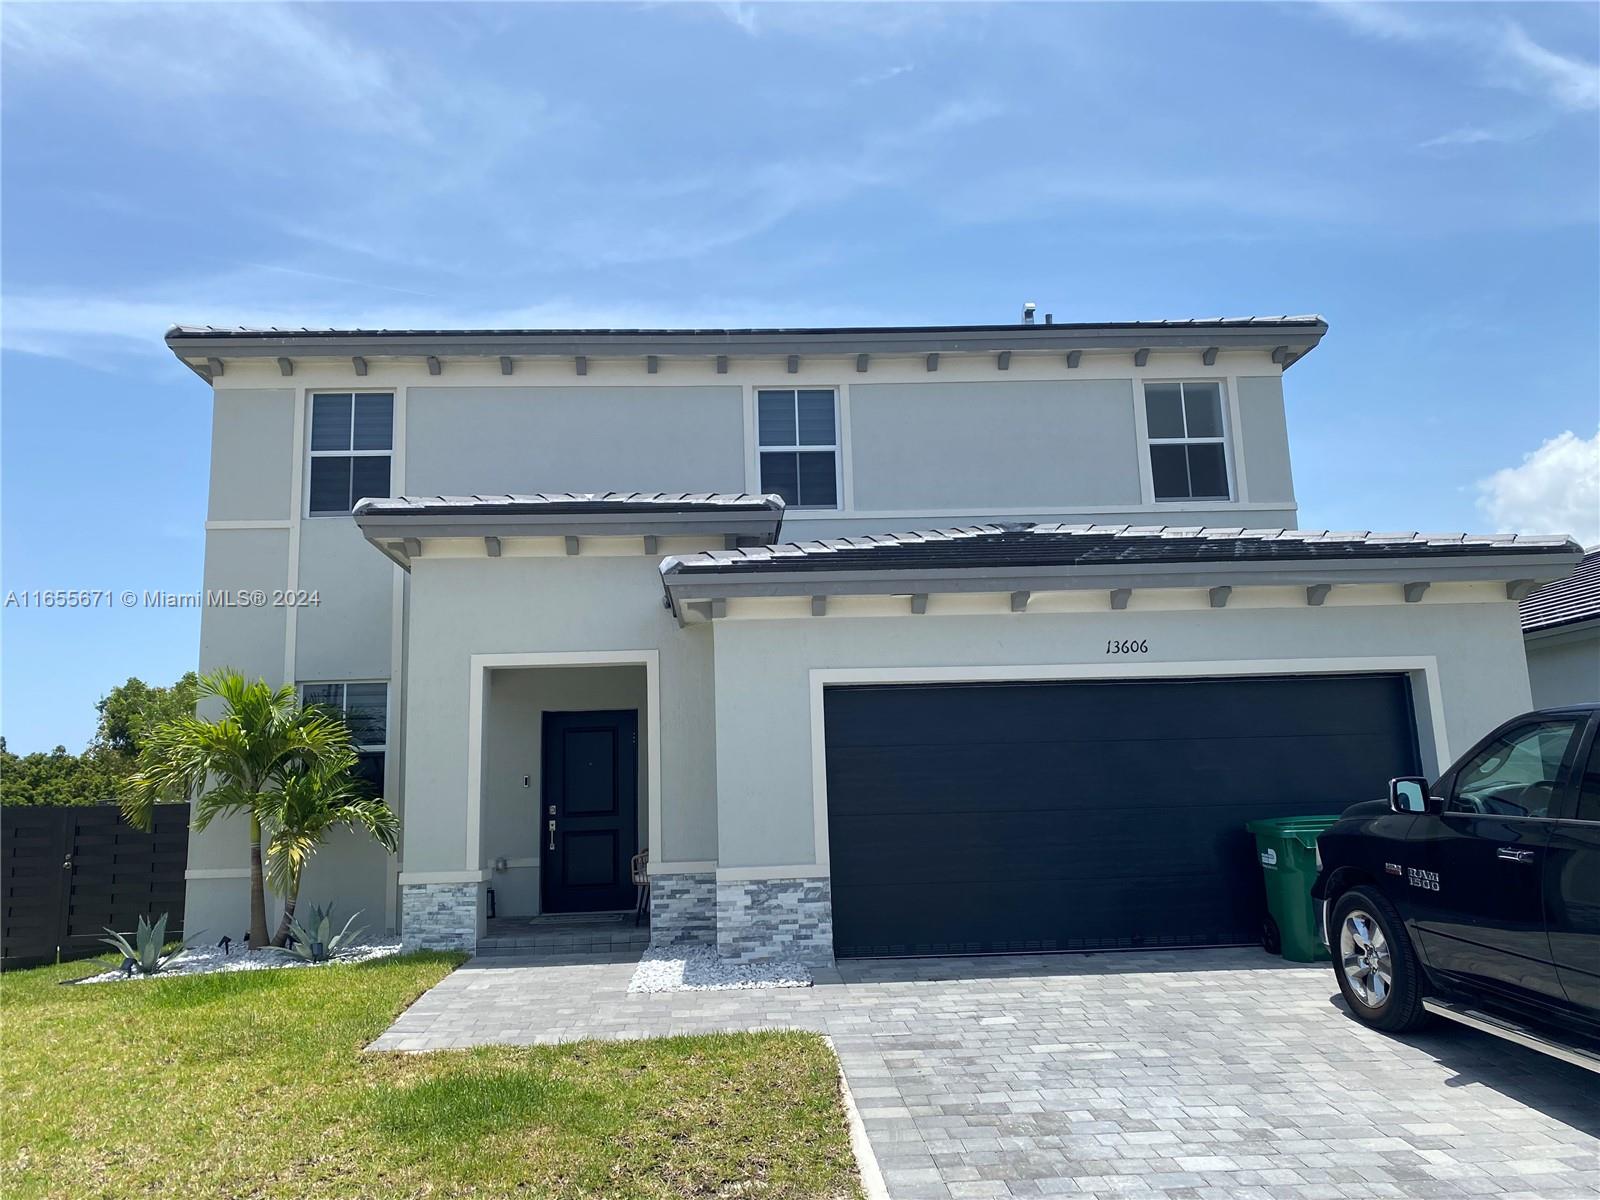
390	531
1297	338
699	585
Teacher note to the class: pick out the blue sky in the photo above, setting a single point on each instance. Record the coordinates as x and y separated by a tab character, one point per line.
1427	177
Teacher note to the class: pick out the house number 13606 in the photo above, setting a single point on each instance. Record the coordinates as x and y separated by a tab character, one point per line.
1128	646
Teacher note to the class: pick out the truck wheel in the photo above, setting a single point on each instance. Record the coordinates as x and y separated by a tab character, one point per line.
1374	963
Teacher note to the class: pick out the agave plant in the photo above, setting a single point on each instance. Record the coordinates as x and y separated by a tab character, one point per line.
145	951
314	940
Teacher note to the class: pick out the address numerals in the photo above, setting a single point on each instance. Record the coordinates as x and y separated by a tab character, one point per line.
1120	646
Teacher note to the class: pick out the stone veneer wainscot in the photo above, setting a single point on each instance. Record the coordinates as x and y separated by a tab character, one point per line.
439	916
775	918
683	908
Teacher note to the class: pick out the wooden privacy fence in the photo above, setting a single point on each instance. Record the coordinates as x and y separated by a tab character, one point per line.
69	872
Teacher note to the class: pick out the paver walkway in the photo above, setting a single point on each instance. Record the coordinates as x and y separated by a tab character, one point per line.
1198	1074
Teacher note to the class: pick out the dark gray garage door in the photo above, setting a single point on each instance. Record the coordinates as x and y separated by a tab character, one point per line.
993	818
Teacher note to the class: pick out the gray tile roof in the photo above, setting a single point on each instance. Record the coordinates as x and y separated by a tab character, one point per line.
556	503
1038	545
1566	601
242	331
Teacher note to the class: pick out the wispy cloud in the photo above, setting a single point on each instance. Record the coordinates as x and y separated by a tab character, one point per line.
1501	49
1477	135
844	18
65	323
286	53
873	78
1571	83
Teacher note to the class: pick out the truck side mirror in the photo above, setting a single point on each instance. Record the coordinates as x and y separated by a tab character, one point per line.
1409	795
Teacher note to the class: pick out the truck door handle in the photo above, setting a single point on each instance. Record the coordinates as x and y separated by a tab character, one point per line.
1512	855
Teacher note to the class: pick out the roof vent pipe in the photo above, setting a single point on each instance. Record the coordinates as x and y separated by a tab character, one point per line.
1049	318
1027	313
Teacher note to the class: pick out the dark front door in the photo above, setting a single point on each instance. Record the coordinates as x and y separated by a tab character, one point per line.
589	820
995	818
1481	913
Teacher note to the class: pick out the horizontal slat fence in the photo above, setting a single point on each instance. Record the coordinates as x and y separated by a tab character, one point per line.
66	873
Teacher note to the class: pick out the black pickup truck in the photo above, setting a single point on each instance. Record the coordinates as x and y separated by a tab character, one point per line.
1477	897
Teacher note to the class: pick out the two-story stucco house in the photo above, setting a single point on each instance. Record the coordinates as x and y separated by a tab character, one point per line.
880	641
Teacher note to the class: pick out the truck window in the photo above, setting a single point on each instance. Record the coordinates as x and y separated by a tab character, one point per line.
1517	774
1589	786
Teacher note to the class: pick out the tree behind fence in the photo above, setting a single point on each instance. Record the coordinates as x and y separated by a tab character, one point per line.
69	872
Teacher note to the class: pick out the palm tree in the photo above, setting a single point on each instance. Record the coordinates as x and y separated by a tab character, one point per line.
262	737
310	804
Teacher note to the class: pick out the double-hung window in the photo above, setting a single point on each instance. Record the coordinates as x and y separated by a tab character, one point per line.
364	707
799	445
352	440
1188	448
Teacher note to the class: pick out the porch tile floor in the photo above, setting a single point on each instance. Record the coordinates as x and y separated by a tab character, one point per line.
581	933
1204	1074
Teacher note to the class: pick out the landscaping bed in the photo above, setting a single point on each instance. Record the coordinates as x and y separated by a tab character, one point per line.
211	960
255	1083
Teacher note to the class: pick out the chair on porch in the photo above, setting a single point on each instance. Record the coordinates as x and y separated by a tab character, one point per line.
640	869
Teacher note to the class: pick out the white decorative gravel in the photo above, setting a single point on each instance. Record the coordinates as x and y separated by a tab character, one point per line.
211	960
702	969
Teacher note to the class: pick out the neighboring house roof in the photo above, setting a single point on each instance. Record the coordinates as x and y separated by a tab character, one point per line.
396	526
1288	337
1002	557
1566	601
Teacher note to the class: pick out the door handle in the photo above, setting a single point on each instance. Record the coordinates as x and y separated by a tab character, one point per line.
1509	854
552	827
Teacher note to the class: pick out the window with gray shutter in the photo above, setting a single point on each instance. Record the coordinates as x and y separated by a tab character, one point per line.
1188	448
352	441
364	707
798	436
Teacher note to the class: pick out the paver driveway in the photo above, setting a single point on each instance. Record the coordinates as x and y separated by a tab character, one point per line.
1215	1073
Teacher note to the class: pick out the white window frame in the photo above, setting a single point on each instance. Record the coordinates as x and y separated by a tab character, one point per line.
344	709
1225	439
311	421
836	447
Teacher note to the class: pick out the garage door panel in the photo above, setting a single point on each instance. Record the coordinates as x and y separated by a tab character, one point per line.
997	817
1024	915
1010	712
1131	774
970	847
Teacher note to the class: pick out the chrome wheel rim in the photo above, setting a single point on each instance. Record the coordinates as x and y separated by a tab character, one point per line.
1365	960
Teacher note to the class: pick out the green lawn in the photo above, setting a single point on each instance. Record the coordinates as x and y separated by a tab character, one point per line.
255	1085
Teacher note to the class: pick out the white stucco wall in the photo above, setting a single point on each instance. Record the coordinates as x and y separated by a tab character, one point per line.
259	537
252	454
483	439
466	606
1564	666
998	443
766	770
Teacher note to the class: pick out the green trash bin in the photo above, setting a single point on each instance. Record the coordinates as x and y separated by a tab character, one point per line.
1287	848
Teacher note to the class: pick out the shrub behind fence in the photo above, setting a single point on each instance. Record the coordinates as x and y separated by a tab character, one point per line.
69	872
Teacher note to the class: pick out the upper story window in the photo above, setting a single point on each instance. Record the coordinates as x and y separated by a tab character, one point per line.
1188	454
799	445
365	708
352	439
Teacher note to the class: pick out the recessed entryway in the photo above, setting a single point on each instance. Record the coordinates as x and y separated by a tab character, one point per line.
1002	817
568	763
